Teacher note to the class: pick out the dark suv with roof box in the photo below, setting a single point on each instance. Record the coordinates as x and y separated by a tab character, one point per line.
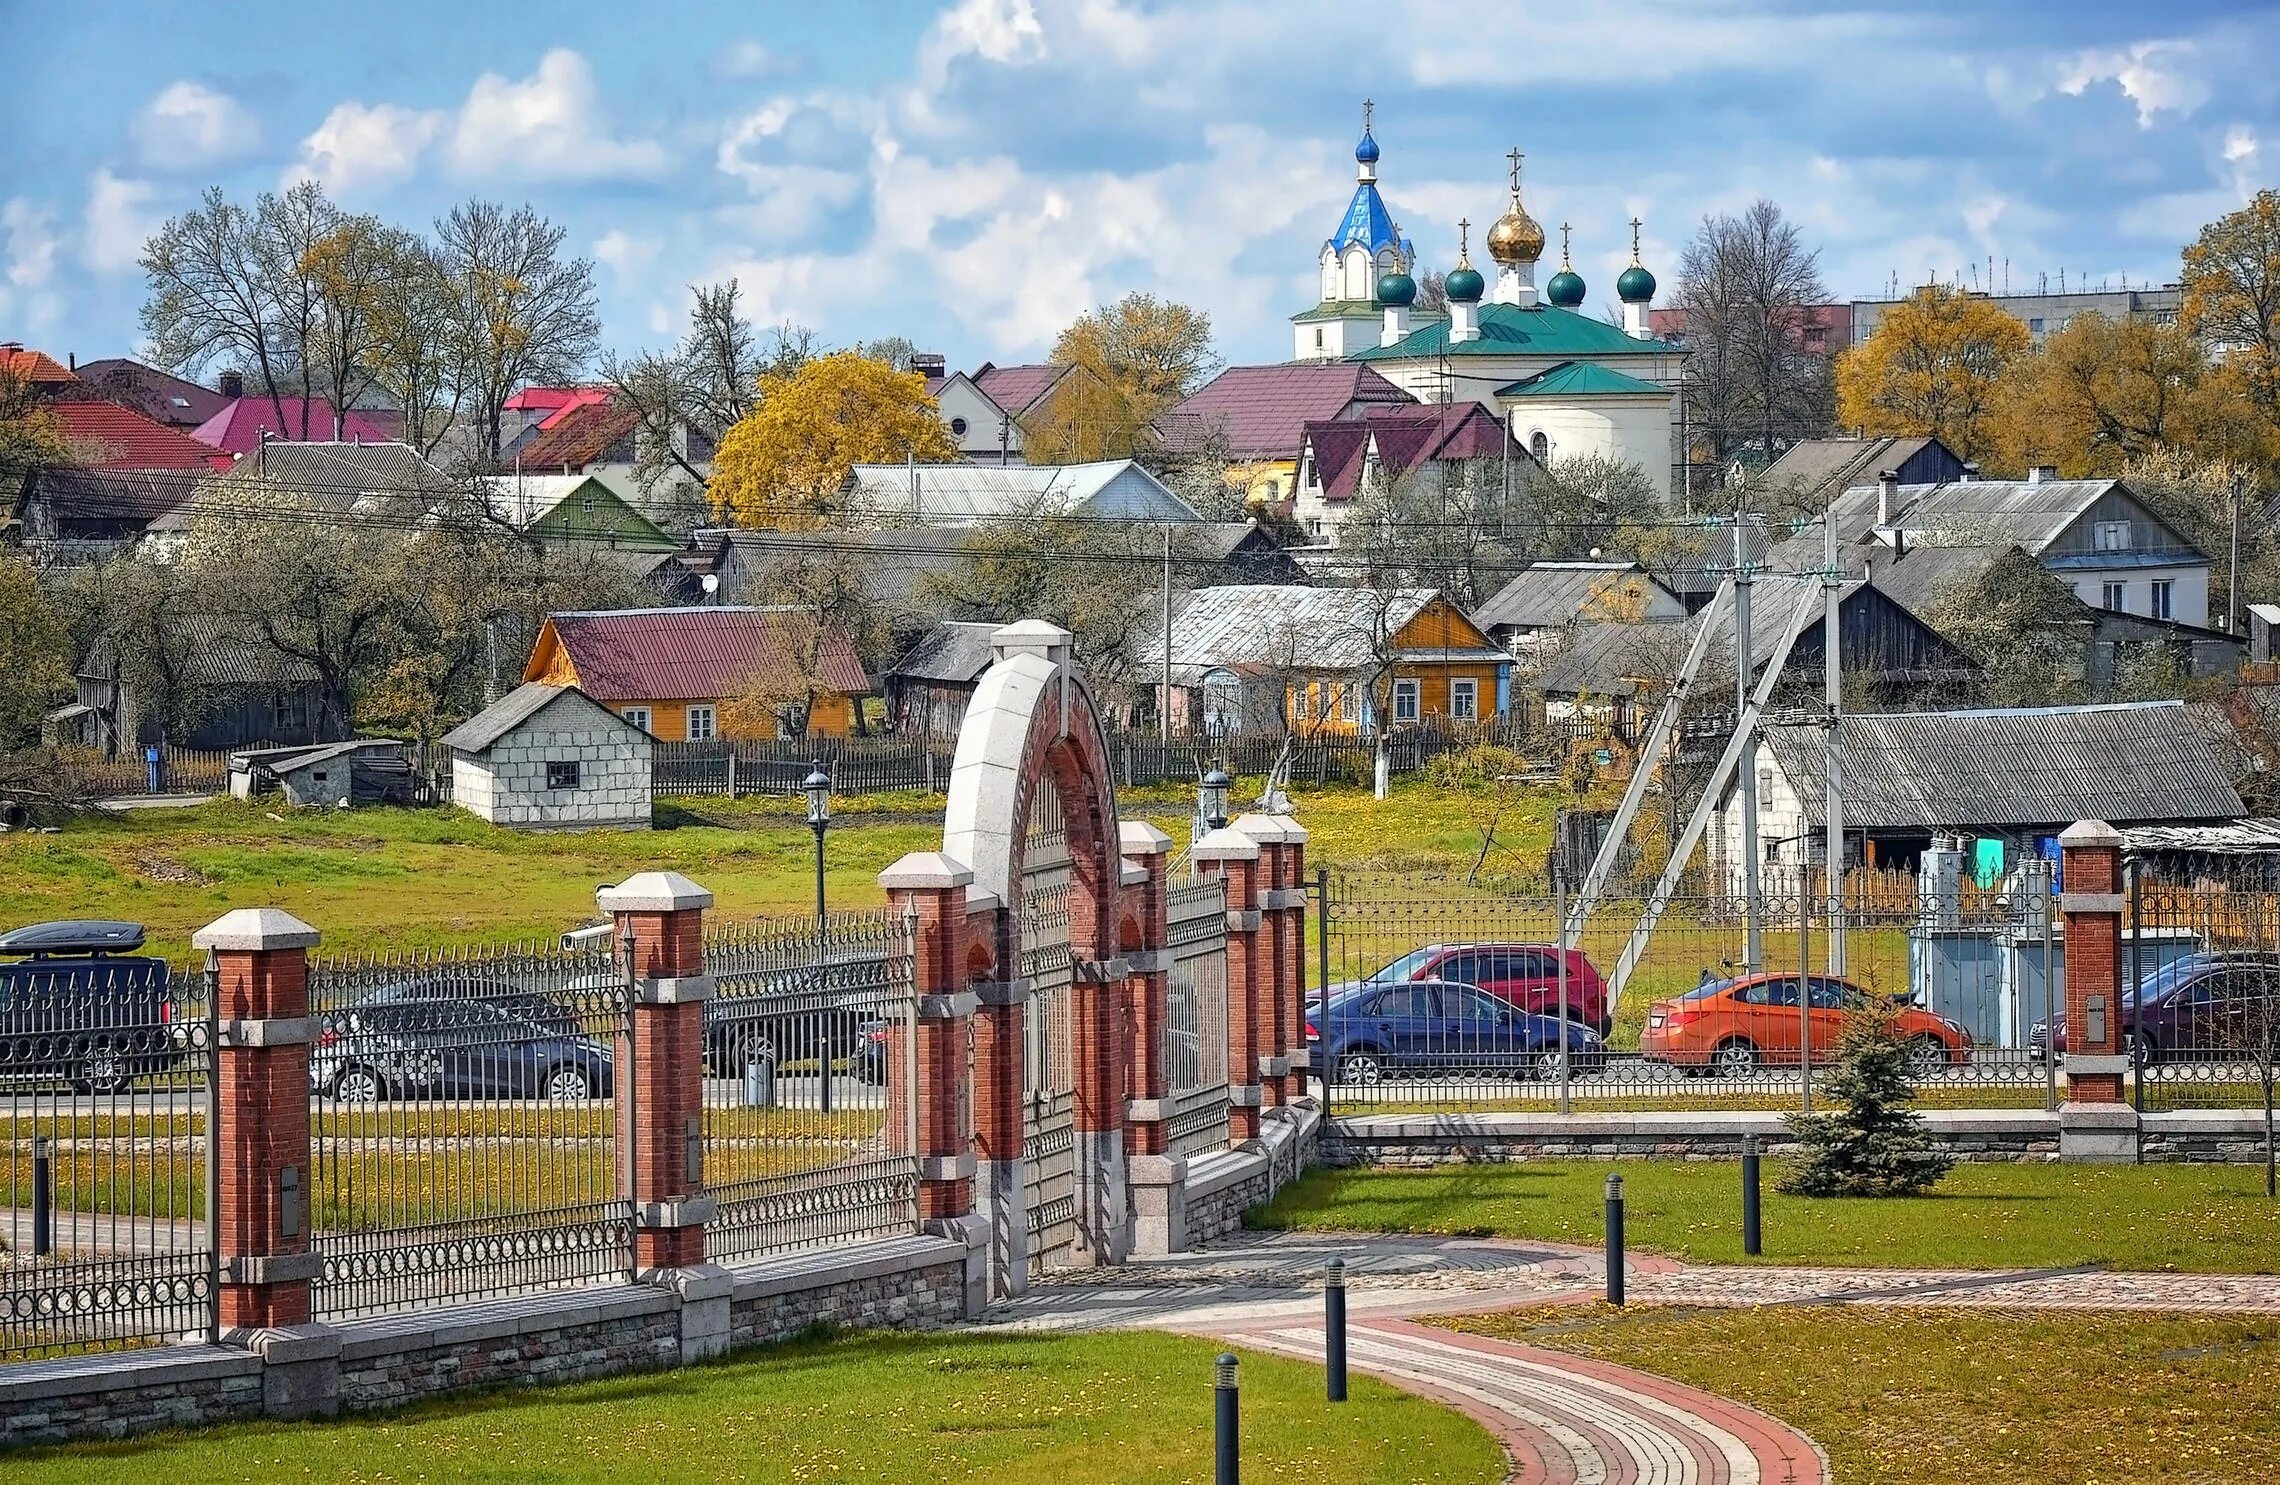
81	1005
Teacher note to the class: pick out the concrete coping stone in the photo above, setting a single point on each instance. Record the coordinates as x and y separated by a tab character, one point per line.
982	900
2084	833
821	1268
2204	1121
255	930
958	1167
2097	1116
284	1344
654	892
1130	873
276	1031
1156	1170
1149	961
928	871
1283	897
2090	902
1139	838
694	1210
674	990
1713	1123
2094	1064
123	1371
1265	829
947	1007
1208	1175
499	1319
1149	1110
274	1268
1000	992
1226	844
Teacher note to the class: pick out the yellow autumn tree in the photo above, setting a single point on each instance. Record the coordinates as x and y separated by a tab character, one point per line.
2101	392
1931	368
1144	354
2232	298
782	464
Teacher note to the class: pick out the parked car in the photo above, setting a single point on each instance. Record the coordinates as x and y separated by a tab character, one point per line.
794	1013
1525	976
452	1048
81	1006
516	1000
869	1062
2194	1008
1439	1027
1733	1027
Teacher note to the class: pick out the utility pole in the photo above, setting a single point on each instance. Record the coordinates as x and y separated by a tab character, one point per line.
1833	749
1753	951
2232	566
1164	707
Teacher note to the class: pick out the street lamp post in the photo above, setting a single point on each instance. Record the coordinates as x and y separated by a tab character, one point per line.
818	785
1211	798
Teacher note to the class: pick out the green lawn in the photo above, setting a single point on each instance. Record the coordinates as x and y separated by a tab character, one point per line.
1919	1397
410	879
1118	1409
2195	1218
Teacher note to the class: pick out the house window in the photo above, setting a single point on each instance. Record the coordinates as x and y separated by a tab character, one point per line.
2112	598
1405	701
1318	337
561	773
1349	703
1464	700
2035	325
701	725
2160	608
1540	446
1322	701
289	712
638	716
2111	536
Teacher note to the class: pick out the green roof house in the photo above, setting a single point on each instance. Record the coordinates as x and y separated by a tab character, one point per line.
573	509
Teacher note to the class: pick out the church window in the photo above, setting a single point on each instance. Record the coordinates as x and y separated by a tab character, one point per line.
1318	337
1539	445
957	427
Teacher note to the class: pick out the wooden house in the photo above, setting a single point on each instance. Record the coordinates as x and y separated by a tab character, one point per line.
697	674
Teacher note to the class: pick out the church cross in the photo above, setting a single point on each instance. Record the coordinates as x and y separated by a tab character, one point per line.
1464	238
1368	107
1515	157
1635	225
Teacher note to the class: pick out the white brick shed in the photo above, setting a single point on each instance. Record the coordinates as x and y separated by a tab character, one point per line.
547	757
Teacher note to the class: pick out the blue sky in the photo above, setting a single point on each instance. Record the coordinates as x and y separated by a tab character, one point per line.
973	175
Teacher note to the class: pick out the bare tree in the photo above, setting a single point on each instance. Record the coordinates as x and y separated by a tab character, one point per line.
1744	285
1460	525
412	352
212	296
520	311
688	397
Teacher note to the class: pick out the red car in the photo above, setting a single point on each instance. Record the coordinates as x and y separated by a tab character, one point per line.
1526	976
1734	1027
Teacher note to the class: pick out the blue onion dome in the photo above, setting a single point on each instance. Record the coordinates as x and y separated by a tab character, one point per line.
1367	151
1636	286
1464	285
1396	288
1566	289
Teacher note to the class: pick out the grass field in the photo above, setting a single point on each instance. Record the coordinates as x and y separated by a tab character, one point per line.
1123	1409
2193	1218
1919	1397
408	879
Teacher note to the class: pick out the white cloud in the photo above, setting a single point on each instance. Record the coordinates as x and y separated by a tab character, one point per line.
2241	145
2157	76
190	124
624	253
118	221
29	245
746	57
548	126
1006	32
366	146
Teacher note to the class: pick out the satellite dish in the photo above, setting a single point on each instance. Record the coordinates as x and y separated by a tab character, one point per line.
711	582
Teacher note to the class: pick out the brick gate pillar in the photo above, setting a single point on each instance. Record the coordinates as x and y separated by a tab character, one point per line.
1293	930
261	1071
1000	1085
1233	856
1267	959
1158	1176
1101	1045
2094	1123
660	1068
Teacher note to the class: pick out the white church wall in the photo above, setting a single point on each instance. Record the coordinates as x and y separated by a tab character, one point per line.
1636	429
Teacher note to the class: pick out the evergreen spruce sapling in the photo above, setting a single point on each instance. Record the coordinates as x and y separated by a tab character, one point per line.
1874	1143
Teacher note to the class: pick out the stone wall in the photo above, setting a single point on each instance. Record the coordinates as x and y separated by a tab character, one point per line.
507	784
2228	1136
1224	1185
557	1336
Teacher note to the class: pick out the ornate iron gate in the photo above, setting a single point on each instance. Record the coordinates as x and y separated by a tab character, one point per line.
1048	1134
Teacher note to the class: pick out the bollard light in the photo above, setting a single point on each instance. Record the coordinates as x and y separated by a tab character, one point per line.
1334	1328
1751	1236
1227	1462
1615	1240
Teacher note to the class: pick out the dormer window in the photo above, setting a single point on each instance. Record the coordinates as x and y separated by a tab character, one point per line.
2110	536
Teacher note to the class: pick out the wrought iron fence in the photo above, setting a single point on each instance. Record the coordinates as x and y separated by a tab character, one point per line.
1195	1024
464	1125
809	1042
1438	995
107	1076
2198	1008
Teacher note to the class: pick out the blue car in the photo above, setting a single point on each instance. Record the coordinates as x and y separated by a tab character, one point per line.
1439	1028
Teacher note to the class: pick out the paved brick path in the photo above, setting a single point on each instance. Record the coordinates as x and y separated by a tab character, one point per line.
1567	1420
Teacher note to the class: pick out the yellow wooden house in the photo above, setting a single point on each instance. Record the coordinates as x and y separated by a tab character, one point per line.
1326	662
696	674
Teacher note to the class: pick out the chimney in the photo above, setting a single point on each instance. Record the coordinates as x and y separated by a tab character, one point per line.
929	363
233	385
71	359
1970	475
1887	490
2041	473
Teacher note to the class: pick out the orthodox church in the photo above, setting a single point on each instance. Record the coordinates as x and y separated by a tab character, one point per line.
1567	384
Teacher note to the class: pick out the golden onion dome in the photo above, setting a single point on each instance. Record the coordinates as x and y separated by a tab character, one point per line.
1517	237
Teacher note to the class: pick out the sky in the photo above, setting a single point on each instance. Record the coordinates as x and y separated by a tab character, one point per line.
974	175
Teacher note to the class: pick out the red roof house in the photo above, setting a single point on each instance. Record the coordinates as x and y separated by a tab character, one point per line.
104	435
676	671
37	368
237	428
1261	412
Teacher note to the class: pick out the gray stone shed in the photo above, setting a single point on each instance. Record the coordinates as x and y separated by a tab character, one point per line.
547	757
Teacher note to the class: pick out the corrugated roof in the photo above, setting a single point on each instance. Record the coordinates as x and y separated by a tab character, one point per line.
2032	513
953	651
1509	330
1261	412
1606	659
512	710
698	654
1310	629
582	434
2141	762
962	493
1815	469
104	435
1582	379
1915	578
1550	594
123	495
1405	438
237	428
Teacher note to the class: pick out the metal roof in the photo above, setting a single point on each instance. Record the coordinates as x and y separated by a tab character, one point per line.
1813	469
1327	630
953	650
2033	513
697	654
1261	412
2130	763
1582	379
1601	659
1549	594
1510	330
515	708
957	494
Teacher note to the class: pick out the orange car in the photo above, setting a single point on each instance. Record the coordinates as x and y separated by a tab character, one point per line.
1734	1027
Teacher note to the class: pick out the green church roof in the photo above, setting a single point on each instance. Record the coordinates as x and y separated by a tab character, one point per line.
1581	379
1338	309
1509	330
